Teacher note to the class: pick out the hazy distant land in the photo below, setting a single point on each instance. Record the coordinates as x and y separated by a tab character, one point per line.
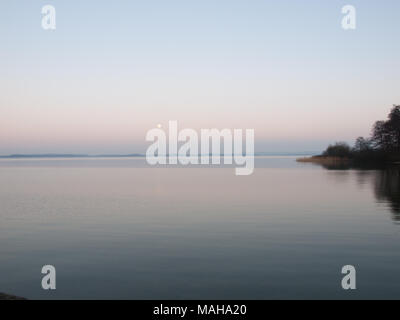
61	155
133	155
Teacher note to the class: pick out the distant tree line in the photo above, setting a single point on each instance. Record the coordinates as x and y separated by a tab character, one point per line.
382	146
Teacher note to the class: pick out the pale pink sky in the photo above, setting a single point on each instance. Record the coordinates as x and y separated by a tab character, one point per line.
97	87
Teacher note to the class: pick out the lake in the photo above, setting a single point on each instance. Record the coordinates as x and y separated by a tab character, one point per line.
119	229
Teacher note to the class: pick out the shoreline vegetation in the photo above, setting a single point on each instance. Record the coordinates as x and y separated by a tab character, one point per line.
380	150
320	159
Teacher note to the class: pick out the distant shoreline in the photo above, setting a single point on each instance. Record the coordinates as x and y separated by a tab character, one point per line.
56	155
134	155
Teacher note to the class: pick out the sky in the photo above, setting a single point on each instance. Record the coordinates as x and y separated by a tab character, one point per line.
112	70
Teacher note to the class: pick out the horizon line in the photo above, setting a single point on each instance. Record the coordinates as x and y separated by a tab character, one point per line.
134	155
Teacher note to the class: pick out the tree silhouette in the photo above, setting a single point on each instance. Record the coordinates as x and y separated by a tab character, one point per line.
386	134
339	149
362	145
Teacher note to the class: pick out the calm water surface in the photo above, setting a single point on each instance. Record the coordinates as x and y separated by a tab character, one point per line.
116	228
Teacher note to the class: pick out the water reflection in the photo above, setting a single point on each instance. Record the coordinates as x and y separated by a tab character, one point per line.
387	189
188	233
385	182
